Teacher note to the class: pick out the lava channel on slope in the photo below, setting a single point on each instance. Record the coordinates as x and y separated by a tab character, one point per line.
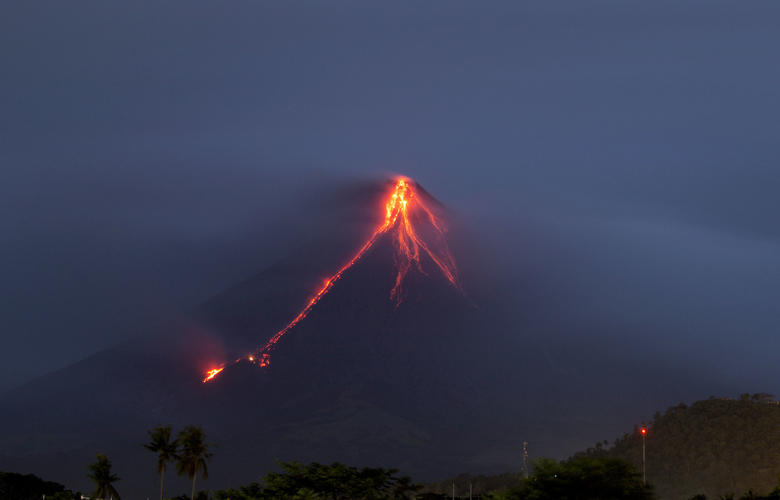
403	208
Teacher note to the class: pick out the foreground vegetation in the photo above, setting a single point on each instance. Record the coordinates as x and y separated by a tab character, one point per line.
718	448
581	478
317	481
190	452
715	448
478	485
29	487
577	479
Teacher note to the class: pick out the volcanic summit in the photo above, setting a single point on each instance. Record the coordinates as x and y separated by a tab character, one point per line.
416	234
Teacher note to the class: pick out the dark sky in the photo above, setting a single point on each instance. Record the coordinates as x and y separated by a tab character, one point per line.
624	153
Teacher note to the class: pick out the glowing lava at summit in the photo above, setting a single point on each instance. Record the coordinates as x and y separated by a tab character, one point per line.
406	219
404	205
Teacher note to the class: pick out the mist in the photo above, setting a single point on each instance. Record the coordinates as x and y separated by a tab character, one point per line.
617	164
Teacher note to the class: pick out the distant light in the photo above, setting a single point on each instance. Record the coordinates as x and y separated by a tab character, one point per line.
644	430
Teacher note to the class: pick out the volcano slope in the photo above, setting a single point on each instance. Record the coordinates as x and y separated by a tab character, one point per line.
383	362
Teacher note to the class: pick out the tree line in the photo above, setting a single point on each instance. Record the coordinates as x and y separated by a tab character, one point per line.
719	448
189	451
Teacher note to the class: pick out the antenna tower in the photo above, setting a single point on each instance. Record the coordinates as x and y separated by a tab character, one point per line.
525	458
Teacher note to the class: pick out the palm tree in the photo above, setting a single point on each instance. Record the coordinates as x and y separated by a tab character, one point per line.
101	475
165	448
194	454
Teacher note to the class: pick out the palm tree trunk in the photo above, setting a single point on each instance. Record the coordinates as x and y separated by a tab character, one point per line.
162	480
193	485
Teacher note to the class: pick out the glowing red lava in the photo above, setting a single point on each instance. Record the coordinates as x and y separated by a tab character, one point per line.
404	208
213	373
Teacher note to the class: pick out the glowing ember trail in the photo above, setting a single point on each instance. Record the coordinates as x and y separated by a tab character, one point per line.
213	373
405	211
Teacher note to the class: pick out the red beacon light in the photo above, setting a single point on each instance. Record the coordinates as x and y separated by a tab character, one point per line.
644	431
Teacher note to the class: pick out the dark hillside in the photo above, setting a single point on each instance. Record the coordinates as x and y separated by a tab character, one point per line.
713	447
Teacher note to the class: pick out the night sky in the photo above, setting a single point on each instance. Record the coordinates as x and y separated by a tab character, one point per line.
620	160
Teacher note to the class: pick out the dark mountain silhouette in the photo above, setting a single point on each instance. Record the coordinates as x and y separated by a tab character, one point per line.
380	371
365	346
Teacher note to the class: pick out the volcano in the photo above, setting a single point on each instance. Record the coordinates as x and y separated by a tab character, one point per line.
363	347
417	236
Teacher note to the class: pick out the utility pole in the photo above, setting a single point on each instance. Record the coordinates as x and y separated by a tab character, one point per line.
470	491
453	491
525	458
644	468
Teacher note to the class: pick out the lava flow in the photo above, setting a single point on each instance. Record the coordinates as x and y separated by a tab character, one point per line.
405	210
213	373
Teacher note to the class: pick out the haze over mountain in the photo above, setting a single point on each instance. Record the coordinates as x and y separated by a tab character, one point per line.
612	165
432	370
155	154
369	371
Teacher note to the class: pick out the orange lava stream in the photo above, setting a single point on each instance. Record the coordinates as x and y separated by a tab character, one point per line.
213	373
409	243
406	206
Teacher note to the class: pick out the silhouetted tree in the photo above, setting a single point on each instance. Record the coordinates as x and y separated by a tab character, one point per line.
165	448
581	479
102	477
332	482
194	454
25	487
